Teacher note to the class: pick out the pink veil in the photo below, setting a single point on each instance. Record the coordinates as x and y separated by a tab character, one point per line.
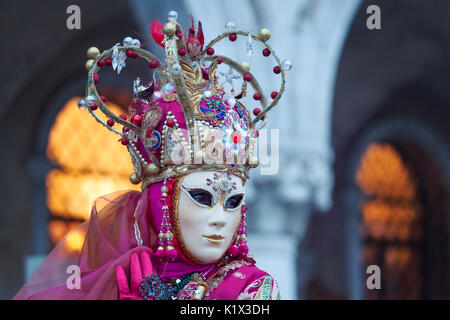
120	224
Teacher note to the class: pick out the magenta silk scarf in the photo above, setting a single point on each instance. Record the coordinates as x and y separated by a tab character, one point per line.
120	224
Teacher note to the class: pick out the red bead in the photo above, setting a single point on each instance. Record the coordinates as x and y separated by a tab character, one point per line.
101	63
123	116
110	122
108	62
276	69
257	96
210	51
205	74
96	77
262	118
134	55
274	94
153	64
170	123
247	77
103	98
137	120
125	129
257	133
149	133
129	53
266	52
94	107
181	52
236	138
256	111
219	60
124	141
232	37
178	35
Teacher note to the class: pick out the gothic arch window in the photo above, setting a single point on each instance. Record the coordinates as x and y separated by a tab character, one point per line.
89	161
392	222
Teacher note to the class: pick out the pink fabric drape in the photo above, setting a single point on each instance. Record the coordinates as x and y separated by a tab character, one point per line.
112	234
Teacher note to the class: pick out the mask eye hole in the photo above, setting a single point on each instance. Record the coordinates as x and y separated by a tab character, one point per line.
233	202
202	197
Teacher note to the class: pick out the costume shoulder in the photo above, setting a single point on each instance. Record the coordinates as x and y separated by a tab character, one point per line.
260	285
245	281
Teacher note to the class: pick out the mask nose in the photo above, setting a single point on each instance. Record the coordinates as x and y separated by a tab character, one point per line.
217	217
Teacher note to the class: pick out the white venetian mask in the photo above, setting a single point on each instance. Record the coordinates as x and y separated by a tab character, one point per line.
209	213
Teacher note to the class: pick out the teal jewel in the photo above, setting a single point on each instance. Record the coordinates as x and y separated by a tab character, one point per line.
153	287
213	107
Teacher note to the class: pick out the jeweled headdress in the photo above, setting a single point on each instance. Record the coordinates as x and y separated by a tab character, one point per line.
186	121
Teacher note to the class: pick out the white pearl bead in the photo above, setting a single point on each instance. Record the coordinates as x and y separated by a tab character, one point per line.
127	41
136	43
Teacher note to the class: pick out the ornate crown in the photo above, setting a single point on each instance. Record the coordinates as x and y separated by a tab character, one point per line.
186	121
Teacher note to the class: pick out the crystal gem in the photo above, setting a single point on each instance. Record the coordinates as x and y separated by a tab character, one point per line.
230	26
118	59
82	104
229	100
173	15
176	69
249	45
287	64
168	87
90	100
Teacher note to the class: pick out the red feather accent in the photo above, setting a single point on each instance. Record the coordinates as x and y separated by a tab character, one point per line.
200	36
157	34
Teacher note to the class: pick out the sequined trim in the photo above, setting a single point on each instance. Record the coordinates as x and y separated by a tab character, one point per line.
265	290
239	275
137	232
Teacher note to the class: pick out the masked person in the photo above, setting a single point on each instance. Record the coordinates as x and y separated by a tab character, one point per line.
192	144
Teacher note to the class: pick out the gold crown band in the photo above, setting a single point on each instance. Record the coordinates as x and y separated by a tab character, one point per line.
181	170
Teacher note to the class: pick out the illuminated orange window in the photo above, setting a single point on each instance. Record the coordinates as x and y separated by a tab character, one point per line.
91	162
391	222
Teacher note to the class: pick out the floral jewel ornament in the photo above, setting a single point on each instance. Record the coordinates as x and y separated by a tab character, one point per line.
222	185
153	287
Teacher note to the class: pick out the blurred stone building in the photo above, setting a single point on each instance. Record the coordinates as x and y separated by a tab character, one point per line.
363	127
